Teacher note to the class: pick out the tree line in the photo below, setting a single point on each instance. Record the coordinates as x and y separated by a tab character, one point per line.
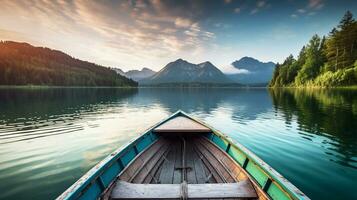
324	62
24	64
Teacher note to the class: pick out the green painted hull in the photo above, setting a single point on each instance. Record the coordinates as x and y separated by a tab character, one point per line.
100	177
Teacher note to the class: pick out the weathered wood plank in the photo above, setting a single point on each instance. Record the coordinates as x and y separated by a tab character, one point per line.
190	156
242	189
125	190
167	171
154	179
149	165
178	163
220	158
242	175
212	172
137	164
201	175
181	125
214	162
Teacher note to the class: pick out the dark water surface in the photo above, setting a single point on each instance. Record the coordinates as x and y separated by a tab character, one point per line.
51	137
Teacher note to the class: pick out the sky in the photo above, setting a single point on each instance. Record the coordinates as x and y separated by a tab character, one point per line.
151	33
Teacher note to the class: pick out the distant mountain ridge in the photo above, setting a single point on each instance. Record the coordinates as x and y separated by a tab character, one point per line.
119	71
253	71
250	63
24	64
183	72
138	75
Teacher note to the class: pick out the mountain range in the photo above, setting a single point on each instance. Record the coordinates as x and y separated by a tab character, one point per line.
248	71
252	71
183	72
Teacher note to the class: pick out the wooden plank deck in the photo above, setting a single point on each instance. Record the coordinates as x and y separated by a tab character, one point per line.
204	165
166	165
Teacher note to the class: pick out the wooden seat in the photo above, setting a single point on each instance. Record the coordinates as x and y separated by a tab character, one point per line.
240	190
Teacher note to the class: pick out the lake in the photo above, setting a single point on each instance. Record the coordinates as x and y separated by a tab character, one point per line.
51	137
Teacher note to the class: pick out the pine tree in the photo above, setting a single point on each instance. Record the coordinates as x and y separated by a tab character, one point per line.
341	46
313	63
346	20
275	75
336	54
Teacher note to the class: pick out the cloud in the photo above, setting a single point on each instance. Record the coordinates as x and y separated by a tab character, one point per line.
227	1
126	30
320	6
230	69
254	11
237	10
13	35
310	9
260	5
293	16
301	10
182	22
315	4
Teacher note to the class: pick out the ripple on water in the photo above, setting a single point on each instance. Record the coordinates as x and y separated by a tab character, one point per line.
17	137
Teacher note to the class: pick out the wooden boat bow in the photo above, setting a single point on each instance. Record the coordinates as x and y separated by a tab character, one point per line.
182	158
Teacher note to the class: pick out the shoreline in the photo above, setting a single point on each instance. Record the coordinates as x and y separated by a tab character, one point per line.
53	87
182	87
317	87
110	87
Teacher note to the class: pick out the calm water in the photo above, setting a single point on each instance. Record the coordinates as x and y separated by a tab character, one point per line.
51	137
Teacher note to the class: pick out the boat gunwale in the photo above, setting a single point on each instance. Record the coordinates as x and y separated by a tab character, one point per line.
271	173
95	172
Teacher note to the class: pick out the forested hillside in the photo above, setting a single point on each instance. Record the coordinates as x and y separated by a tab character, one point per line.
324	62
24	64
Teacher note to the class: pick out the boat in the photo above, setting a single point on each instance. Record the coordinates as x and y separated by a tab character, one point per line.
182	158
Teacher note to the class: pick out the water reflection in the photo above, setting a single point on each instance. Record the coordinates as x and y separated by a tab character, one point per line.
246	103
328	113
41	103
33	113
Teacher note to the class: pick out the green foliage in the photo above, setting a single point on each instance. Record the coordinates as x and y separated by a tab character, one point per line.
325	62
341	48
23	64
312	65
341	77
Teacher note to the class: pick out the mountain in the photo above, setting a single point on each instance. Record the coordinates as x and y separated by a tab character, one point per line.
119	71
138	75
24	64
252	71
183	72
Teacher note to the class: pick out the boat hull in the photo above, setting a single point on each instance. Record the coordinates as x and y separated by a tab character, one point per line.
100	178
